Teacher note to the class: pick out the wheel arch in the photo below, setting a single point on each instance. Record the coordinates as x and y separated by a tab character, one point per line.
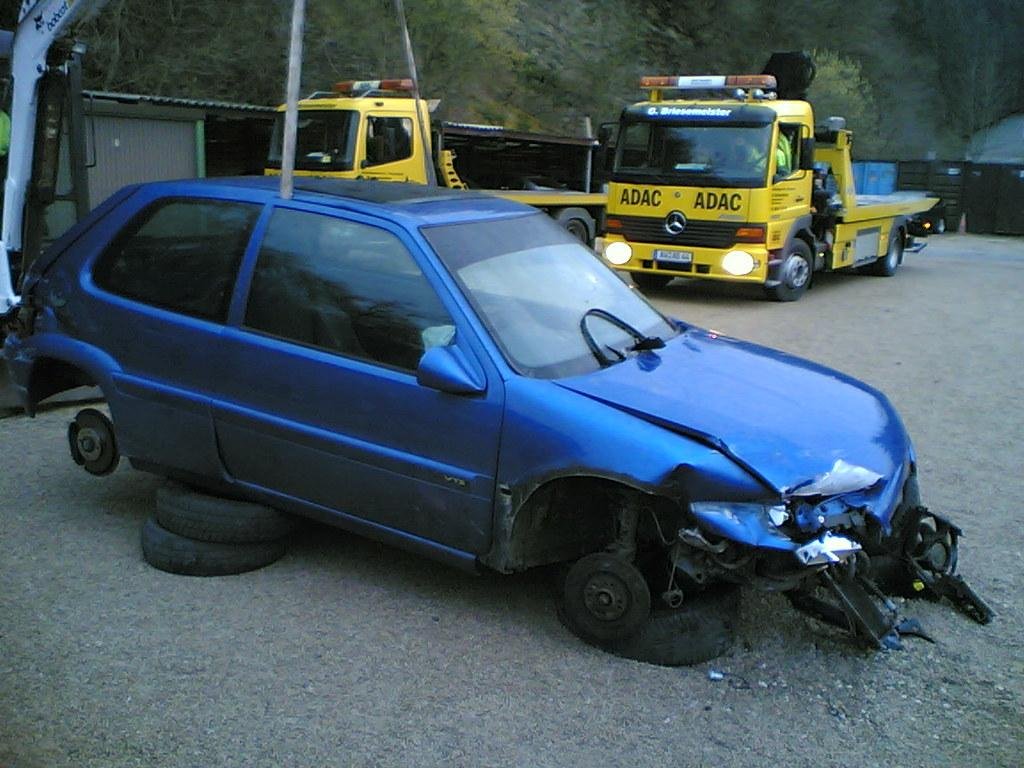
565	516
56	364
50	376
801	230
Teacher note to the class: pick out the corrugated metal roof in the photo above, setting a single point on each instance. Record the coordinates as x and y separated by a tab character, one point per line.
1001	143
171	101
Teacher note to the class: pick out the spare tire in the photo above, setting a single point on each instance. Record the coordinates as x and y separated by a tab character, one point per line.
170	552
699	630
203	517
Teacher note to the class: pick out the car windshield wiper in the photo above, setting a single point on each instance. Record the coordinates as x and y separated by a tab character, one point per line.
642	344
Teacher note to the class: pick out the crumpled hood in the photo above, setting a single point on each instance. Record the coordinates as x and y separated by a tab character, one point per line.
785	419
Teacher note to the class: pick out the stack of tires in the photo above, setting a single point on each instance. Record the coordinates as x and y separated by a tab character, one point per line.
196	534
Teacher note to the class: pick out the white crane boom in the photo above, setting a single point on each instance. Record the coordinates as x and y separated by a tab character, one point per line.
40	24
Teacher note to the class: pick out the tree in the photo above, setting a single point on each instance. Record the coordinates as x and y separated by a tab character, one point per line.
839	88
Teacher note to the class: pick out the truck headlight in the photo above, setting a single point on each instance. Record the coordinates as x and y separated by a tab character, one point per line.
618	253
738	263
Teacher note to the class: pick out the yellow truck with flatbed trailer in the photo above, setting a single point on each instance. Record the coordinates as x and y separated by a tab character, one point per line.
736	185
369	129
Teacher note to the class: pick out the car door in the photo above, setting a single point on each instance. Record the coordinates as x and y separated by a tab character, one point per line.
389	150
320	401
155	300
791	187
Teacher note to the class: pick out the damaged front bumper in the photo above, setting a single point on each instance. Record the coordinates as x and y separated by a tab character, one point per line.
833	553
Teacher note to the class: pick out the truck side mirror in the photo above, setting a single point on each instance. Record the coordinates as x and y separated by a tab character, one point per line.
807	154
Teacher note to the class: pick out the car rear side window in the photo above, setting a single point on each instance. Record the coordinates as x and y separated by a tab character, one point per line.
181	255
344	287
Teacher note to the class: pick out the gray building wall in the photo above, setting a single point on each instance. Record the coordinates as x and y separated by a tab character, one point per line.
129	150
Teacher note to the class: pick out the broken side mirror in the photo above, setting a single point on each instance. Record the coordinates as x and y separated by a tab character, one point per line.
447	369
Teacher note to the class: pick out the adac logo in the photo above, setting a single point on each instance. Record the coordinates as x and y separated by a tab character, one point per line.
675	223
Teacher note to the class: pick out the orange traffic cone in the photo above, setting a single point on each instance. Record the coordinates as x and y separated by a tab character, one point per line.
962	229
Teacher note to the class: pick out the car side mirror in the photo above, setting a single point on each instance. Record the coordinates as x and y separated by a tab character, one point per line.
807	154
447	369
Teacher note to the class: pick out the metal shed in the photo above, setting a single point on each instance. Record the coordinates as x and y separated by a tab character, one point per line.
133	138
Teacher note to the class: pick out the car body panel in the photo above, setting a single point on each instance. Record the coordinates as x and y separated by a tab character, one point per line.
786	418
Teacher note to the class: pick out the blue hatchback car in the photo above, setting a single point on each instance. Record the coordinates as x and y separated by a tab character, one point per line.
454	374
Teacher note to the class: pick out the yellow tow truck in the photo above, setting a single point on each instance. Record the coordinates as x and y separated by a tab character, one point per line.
368	129
738	185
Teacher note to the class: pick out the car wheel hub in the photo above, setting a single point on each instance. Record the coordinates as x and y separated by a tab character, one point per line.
797	272
90	443
606	597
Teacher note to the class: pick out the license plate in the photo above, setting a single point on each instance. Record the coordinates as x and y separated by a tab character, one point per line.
673	257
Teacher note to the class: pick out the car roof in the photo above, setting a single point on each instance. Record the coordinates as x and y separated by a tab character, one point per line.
422	204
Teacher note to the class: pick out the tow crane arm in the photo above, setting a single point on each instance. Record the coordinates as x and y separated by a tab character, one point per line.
40	24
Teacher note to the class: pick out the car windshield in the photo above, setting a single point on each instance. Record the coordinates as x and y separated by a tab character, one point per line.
534	286
325	140
693	155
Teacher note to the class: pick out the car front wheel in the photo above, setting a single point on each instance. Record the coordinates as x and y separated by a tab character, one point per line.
795	275
604	598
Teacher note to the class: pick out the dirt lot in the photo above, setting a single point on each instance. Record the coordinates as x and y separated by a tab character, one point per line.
350	653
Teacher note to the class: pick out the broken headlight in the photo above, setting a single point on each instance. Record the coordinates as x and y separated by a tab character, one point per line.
744	522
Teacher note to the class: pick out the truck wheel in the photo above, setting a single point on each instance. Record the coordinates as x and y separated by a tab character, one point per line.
92	442
578	223
795	276
646	281
604	598
887	265
209	518
701	629
172	553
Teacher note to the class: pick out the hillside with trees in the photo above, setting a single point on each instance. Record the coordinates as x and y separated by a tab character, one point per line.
912	76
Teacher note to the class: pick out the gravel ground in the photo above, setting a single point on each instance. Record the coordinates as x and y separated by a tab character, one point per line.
350	653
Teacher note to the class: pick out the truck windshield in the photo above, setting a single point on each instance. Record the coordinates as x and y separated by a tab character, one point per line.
325	142
534	287
693	154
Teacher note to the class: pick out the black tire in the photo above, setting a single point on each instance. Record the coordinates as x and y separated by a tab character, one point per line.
887	265
699	630
578	223
604	598
93	443
578	229
647	281
202	517
172	553
795	275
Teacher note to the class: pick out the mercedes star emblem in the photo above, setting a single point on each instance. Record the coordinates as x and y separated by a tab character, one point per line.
675	223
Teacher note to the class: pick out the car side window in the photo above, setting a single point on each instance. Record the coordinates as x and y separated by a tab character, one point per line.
787	151
388	139
180	254
344	287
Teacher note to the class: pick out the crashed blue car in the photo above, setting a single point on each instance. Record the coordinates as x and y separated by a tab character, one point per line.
454	374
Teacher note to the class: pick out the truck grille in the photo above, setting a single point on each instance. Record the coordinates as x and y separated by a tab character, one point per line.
702	234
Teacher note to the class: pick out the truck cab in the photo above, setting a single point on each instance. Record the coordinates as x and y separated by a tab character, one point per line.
369	129
363	129
723	187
